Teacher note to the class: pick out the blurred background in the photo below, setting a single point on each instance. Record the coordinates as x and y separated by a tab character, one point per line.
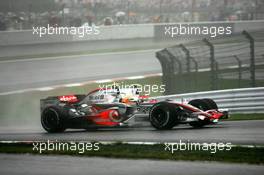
24	14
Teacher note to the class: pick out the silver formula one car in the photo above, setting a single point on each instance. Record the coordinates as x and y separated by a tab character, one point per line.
116	107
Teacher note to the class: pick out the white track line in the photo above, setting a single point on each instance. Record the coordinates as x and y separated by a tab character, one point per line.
48	88
135	77
104	81
73	85
97	81
90	82
45	89
129	143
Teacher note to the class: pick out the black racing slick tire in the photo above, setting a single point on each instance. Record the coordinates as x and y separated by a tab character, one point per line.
200	104
51	120
163	115
210	103
203	104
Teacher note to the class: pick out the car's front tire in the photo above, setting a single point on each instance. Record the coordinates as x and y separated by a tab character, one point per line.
163	115
203	104
51	120
200	104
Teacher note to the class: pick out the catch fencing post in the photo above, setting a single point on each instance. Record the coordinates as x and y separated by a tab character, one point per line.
216	73
239	70
188	67
176	59
177	78
252	57
196	70
213	65
187	53
195	64
167	71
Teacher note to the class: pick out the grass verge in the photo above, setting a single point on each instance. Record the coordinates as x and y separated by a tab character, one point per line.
238	154
236	117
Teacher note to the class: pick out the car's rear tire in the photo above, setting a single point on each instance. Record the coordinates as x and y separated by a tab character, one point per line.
163	115
51	120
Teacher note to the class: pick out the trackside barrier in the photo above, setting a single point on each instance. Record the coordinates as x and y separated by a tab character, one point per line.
116	32
116	37
245	100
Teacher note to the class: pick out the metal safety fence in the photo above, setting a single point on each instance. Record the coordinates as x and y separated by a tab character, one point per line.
244	100
230	62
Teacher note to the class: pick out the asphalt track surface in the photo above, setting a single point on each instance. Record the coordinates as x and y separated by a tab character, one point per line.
20	74
42	72
12	164
234	132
